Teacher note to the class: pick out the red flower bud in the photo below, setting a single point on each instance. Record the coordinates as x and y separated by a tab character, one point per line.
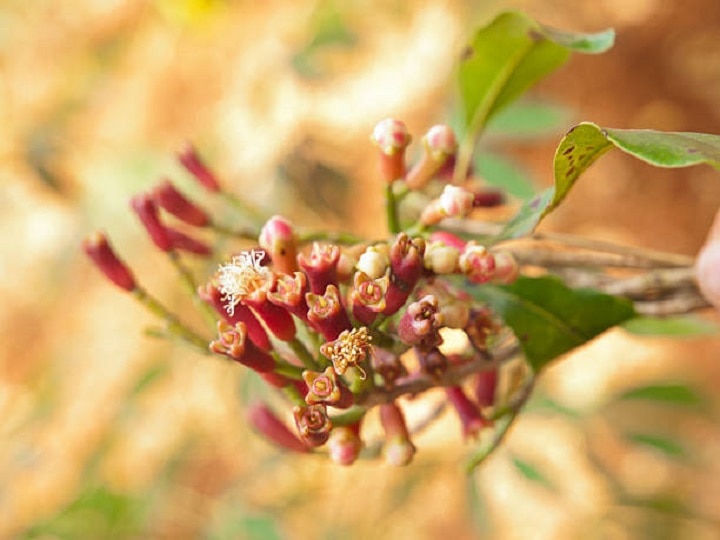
97	247
344	444
146	210
477	263
190	159
398	449
326	313
277	238
183	242
320	266
174	202
470	418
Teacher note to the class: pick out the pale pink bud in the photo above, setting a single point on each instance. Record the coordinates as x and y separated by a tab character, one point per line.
344	445
456	201
439	144
441	259
277	238
507	268
374	261
391	137
477	263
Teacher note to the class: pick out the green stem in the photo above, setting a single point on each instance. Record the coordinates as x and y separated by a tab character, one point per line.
293	395
255	216
206	312
391	209
288	370
246	233
328	236
352	416
303	354
174	326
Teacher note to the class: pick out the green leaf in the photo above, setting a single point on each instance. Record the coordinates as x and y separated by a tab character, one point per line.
669	393
529	120
676	326
526	218
549	318
531	472
586	142
500	172
509	55
664	445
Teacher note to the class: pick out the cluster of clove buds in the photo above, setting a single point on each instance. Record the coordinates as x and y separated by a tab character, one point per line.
340	325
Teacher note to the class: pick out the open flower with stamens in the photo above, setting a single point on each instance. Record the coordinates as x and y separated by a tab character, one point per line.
367	297
349	350
326	313
313	424
245	280
420	324
320	266
325	388
233	342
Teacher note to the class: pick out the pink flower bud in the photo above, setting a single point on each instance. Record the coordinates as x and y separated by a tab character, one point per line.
507	268
456	201
277	238
190	159
470	418
326	313
398	449
477	263
320	266
441	259
325	388
234	343
146	211
313	424
174	202
420	323
392	138
97	247
374	261
488	198
344	444
449	239
406	258
265	422
439	144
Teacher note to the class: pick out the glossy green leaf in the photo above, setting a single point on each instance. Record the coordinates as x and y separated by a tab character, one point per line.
549	318
503	173
676	326
669	393
509	55
531	472
664	445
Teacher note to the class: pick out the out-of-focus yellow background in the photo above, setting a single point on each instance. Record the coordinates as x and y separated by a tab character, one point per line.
105	433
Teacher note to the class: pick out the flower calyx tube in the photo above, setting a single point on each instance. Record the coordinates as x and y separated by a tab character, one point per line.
326	389
233	342
264	420
367	297
313	424
320	265
327	314
398	449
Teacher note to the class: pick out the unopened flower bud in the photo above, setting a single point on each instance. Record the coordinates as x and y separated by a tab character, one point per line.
392	138
449	239
313	424
344	444
456	201
470	418
190	159
182	242
374	261
398	449
277	238
507	268
263	419
146	210
485	387
173	201
97	247
320	266
388	366
325	388
346	265
288	291
439	144
441	259
477	263
406	258
488	198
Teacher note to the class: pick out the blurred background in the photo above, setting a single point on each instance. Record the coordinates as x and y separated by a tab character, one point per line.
106	433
